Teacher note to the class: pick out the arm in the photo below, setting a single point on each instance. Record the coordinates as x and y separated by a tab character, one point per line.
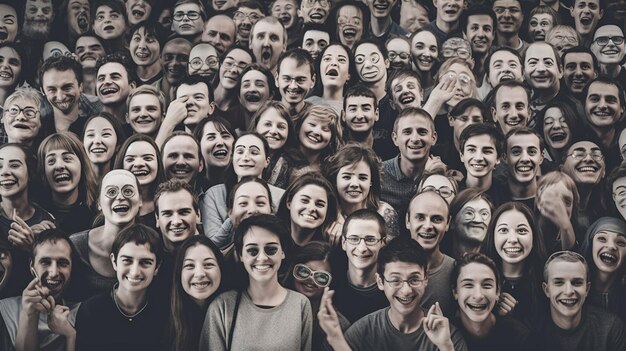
59	323
210	203
35	300
214	333
437	328
329	322
224	236
176	114
438	97
307	327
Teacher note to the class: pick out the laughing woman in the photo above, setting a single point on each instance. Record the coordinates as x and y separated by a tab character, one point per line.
102	138
336	67
216	137
146	41
69	180
12	57
319	134
263	315
119	202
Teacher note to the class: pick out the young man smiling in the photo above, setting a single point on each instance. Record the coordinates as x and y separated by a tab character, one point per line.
359	115
523	157
115	78
295	78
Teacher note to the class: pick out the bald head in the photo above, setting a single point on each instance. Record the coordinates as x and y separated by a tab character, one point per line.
220	32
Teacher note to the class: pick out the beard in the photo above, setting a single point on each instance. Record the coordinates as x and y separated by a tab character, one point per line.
36	29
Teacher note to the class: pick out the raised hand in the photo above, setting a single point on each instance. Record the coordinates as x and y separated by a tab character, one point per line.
20	234
36	299
506	304
437	328
43	225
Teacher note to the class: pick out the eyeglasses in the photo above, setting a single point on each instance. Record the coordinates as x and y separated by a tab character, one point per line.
460	52
444	191
602	41
580	155
192	15
322	3
393	55
342	21
320	278
568	38
111	192
252	16
29	112
413	282
356	240
270	250
462	78
211	61
469	214
228	64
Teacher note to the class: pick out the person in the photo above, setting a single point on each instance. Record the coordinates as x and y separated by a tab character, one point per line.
438	181
425	54
134	319
363	235
476	284
145	43
398	49
174	60
203	61
319	136
140	10
188	18
247	14
309	206
353	20
446	23
502	64
336	69
406	90
563	37
616	187
21	118
580	66
360	113
560	129
13	62
68	181
517	247
88	50
21	219
523	158
382	25
404	325
41	318
478	24
512	106
110	24
587	15
146	109
542	19
140	156
609	48
315	38
510	17
263	314
182	159
226	93
268	40
354	172
256	88
605	250
219	31
115	78
198	278
9	22
574	325
119	202
217	139
314	12
287	13
470	215
295	77
102	138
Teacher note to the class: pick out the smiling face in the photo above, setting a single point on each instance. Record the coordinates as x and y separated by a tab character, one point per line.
585	170
144	48
135	266
186	26
141	160
108	23
294	81
314	41
504	66
354	182
112	84
21	129
216	145
556	132
100	140
480	33
119	197
8	23
578	70
399	53
233	64
262	267
176	217
203	60
479	156
476	292
250	199
335	67
274	128
608	251
619	195
254	91
541	69
308	207
512	108
144	114
314	11
414	137
509	15
13	172
513	237
539	25
315	133
308	287
201	276
52	264
249	158
586	15
245	18
567	288
380	8
370	63
198	104
360	114
404	300
89	50
10	67
62	170
174	59
181	159
286	11
138	10
62	89
523	157
427	220
602	106
473	219
362	256
424	50
349	25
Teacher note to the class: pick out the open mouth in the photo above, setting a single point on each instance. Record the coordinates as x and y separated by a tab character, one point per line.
108	90
407	98
108	28
427	236
513	251
309	217
142	54
558	136
138	14
140	172
201	285
220	153
353	193
144	120
6	75
252	96
181	170
477	307
62	177
608	258
20	126
318	16
332	72
425	60
121	208
381	6
3	35
478	166
134	280
370	74
53	284
266	54
349	33
587	169
7	183
524	169
405	300
586	20
98	150
219	4
285	19
568	302
513	122
315	139
88	56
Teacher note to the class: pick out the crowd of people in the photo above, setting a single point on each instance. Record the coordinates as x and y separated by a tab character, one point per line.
312	175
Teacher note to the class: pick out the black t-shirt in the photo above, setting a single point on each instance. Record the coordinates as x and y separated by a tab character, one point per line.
507	334
355	302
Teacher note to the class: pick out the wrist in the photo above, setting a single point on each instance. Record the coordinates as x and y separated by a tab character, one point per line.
446	346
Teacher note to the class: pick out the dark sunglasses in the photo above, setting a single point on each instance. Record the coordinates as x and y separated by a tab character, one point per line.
270	250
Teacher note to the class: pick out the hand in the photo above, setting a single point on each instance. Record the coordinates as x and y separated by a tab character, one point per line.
506	304
177	111
58	321
551	206
20	234
327	316
43	225
434	162
36	299
437	327
444	90
333	233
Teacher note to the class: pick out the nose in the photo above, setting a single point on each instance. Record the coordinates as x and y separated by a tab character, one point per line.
134	268
293	84
59	95
405	287
198	271
569	288
176	219
266	41
53	269
361	246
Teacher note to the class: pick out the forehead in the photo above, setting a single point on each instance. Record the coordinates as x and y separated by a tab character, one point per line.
316	34
398	43
608	30
177	46
58	248
576	2
437	180
542	16
523	140
144	99
335	50
587	145
113	67
133	249
39	2
291	64
175	199
239	55
425	37
481	140
578	57
363	226
516	93
459	68
6	10
187	7
254	75
415	121
349	11
245	9
506	3
117	177
98	122
367	48
8	52
251	189
603	88
220	24
12	153
407	268
561	269
87	40
249	140
539	50
105	9
264	26
429	202
186	89
360	100
405	79
480	19
179	142
504	55
285	2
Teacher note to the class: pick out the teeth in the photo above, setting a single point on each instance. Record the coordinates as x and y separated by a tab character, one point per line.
140	173
513	250
569	302
134	280
7	182
262	267
405	300
587	169
5	75
608	258
309	217
62	178
98	150
524	169
427	236
142	55
200	285
121	208
477	307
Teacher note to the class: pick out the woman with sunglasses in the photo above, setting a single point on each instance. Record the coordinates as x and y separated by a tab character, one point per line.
311	273
263	315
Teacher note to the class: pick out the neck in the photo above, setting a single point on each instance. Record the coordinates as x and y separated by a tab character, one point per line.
521	191
4	93
435	259
118	110
301	236
147	200
347	208
149	72
603	281
483	183
611	70
62	121
446	27
265	293
479	69
130	302
19	204
606	135
567	323
363	278
406	323
101	169
380	26
104	236
293	108
312	156
585	194
510	40
65	199
410	168
541	97
89	81
365	138
223	98
460	247
378	88
478	329
333	93
512	270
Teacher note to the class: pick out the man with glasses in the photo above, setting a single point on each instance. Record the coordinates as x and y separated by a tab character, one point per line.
404	325
609	47
399	53
203	61
248	13
188	19
314	11
220	31
510	17
572	325
356	294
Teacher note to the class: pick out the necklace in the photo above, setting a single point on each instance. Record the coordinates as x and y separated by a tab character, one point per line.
130	317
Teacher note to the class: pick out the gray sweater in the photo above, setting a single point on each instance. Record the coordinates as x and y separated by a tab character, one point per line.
287	326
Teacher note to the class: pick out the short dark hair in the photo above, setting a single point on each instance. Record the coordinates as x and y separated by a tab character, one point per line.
115	5
270	223
230	200
476	11
402	249
465	104
301	56
171	186
359	90
153	28
123	60
483	129
511	84
502	48
414	111
315	26
138	234
252	4
52	236
366	214
474	257
609	81
193	80
581	50
61	64
403	73
524	131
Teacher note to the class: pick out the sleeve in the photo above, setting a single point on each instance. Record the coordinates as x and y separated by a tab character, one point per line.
224	236
356	335
391	219
81	326
307	326
211	218
618	335
5	338
213	335
457	339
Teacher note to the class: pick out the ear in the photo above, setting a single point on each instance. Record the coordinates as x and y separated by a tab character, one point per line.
288	204
312	81
407	223
198	217
113	261
211	108
276	79
127	119
544	287
342	116
132	85
80	87
493	114
394	138
434	137
380	282
377	114
450	120
455	294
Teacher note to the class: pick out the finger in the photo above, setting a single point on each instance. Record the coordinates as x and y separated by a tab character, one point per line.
20	221
430	310
32	284
438	309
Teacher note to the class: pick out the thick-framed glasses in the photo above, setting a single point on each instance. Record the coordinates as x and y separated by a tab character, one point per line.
413	282
602	41
323	3
462	78
460	52
356	240
211	61
252	16
393	55
320	278
228	64
28	112
128	191
444	191
580	155
342	21
192	15
270	250
469	214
